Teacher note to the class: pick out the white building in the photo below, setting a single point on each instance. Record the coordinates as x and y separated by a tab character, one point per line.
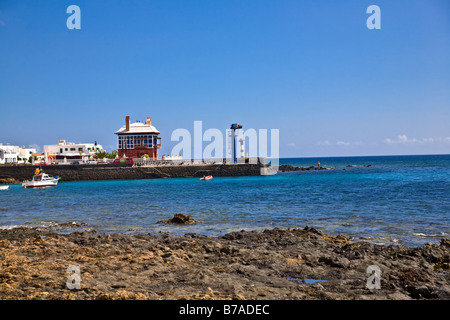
67	152
26	152
8	154
15	154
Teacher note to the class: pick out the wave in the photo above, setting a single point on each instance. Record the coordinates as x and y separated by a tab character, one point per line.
440	235
44	225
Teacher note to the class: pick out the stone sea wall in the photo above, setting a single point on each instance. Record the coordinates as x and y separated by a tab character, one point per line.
16	174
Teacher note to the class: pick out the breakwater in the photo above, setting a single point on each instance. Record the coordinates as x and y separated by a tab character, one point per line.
16	174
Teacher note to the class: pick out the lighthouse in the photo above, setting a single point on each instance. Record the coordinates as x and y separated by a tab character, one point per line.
233	141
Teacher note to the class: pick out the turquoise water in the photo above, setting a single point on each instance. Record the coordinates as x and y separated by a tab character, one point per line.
399	200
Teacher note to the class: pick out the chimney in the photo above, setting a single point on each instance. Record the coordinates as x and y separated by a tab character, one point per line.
127	123
149	121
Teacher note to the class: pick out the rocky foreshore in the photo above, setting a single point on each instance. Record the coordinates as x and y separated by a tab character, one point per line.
272	264
288	167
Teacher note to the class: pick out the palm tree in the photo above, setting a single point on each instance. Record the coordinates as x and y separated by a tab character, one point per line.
100	154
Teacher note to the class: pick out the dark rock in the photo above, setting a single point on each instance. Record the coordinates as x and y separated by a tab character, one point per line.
21	233
9	181
424	292
334	262
288	167
431	254
180	218
445	243
312	230
73	224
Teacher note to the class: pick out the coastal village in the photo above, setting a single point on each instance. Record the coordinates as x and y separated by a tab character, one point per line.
138	143
138	149
139	140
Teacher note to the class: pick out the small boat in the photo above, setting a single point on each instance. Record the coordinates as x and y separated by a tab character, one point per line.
206	178
4	187
41	179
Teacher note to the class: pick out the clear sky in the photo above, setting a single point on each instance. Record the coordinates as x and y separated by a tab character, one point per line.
309	68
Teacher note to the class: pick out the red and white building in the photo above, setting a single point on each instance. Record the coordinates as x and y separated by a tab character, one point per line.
138	139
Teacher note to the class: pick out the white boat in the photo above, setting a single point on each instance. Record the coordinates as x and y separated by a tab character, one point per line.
4	187
41	179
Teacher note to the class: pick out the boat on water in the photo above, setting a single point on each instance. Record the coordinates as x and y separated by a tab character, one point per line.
4	187
41	179
206	178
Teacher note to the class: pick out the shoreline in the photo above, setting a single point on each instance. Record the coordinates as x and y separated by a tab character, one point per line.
275	264
167	226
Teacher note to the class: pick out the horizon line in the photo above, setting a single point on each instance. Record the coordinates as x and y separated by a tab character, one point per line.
354	156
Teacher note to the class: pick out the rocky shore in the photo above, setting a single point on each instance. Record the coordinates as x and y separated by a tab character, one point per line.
273	264
288	167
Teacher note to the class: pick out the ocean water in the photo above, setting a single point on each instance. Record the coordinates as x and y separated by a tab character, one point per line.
397	200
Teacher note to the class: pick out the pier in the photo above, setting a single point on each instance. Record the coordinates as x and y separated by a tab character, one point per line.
18	173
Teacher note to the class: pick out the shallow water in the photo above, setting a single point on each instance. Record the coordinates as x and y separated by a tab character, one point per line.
399	200
306	280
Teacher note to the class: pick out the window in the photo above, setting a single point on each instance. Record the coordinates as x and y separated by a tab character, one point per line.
72	149
80	149
130	140
150	141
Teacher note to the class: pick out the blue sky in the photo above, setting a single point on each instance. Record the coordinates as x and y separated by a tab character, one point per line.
309	68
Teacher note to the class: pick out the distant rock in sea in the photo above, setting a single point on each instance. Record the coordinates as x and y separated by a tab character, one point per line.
288	167
180	218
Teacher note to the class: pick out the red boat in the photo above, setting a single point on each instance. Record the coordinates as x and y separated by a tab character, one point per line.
206	178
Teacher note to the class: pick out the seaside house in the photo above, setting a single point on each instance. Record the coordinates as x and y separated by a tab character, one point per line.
25	154
138	139
38	158
66	152
15	154
8	154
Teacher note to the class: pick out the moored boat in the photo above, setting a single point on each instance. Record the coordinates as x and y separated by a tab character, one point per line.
41	179
206	178
4	187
